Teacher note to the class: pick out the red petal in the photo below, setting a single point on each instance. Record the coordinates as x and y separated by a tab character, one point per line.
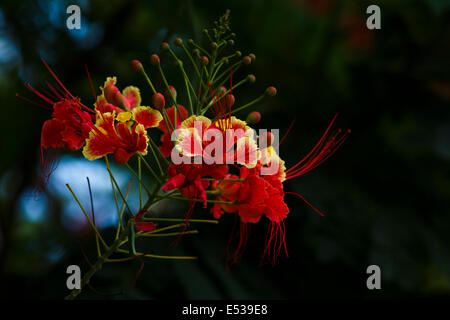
145	226
51	135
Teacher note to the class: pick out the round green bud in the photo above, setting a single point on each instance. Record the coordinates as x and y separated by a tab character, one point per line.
231	42
229	100
178	42
253	117
164	46
158	101
221	90
246	60
266	139
271	91
154	59
179	63
171	92
238	53
136	65
204	61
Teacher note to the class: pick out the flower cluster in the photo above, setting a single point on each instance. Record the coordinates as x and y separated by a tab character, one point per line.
205	153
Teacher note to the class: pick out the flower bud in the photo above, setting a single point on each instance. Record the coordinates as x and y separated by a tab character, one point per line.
204	60
178	42
179	63
246	60
221	90
266	139
238	53
231	42
271	91
158	101
171	93
214	45
229	100
154	59
136	65
164	46
196	52
252	56
253	117
251	78
191	41
233	34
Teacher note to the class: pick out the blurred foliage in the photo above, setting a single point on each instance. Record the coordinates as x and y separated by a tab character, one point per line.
386	193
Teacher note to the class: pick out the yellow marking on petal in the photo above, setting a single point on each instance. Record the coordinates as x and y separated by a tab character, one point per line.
134	92
190	122
110	81
103	131
139	129
155	113
123	116
86	152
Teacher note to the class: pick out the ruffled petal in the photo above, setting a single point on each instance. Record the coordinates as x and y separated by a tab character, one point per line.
103	106
174	182
147	116
247	152
133	97
189	142
51	134
200	123
97	145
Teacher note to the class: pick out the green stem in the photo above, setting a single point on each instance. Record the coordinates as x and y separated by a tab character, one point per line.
96	267
180	220
248	104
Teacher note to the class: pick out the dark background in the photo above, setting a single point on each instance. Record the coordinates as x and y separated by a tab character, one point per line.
385	193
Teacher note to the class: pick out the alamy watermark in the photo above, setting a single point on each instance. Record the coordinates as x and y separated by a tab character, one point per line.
374	20
74	20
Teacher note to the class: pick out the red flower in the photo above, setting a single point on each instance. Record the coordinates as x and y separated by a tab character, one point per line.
68	128
238	143
167	144
121	139
130	100
225	190
187	178
256	195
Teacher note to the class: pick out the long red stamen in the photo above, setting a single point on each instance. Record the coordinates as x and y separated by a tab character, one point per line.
40	95
58	94
33	102
56	78
288	130
275	241
90	82
309	204
324	149
244	229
